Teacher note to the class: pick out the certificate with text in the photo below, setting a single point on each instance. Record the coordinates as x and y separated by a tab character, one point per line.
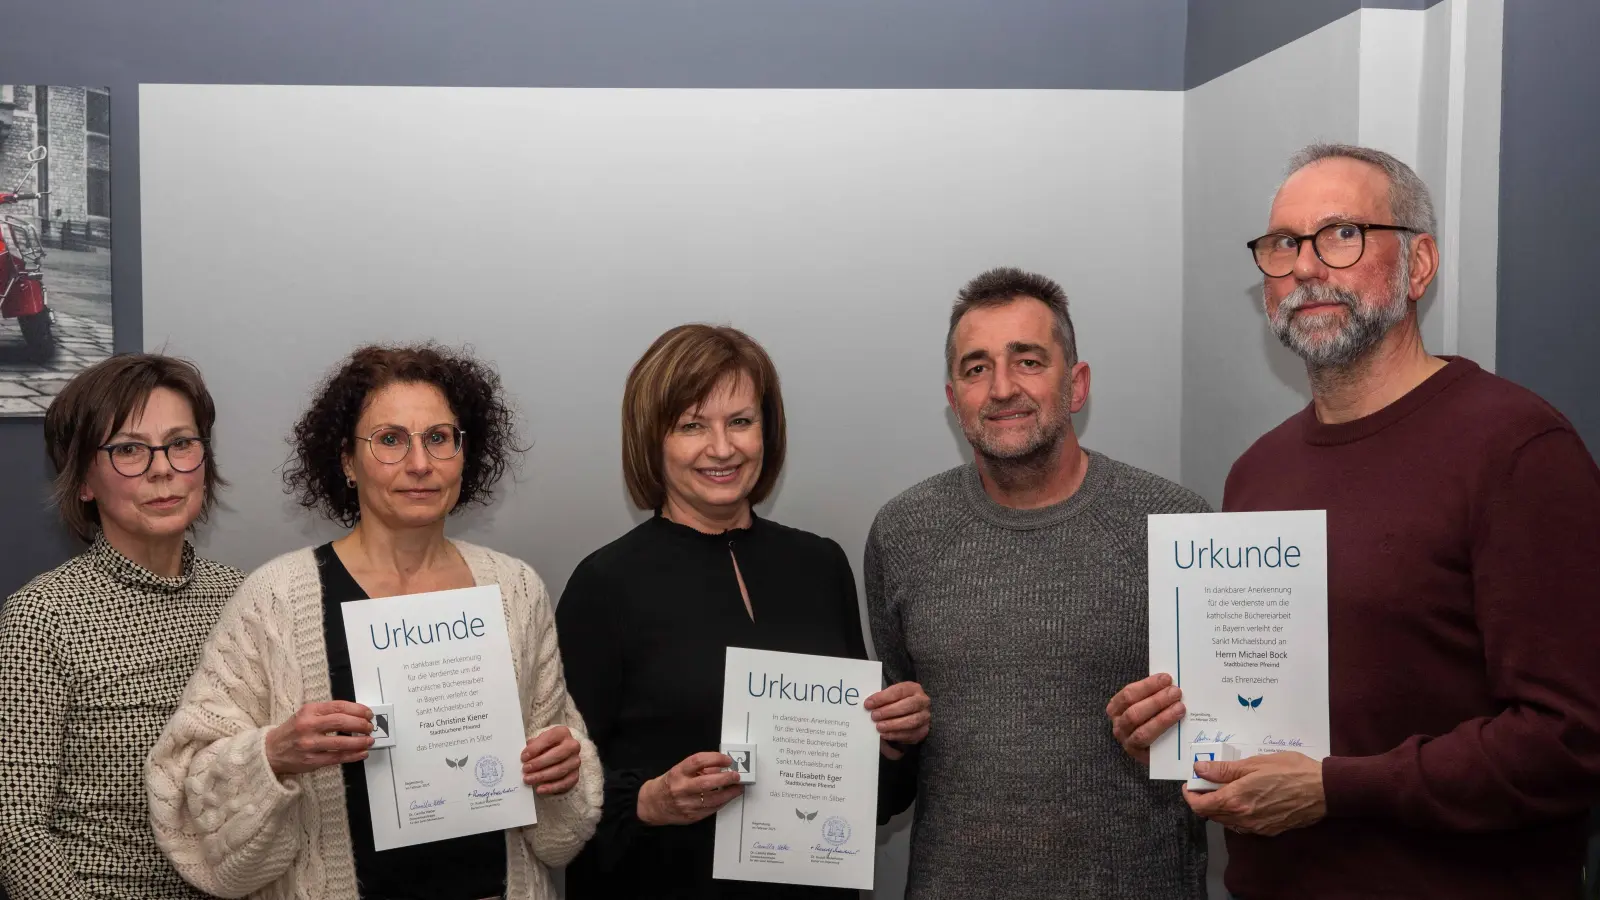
1239	618
442	663
811	815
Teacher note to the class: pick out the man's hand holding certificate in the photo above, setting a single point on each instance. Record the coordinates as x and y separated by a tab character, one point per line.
1239	632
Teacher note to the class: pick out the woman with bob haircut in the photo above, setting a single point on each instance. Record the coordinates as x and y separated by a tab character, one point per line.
95	653
257	787
645	621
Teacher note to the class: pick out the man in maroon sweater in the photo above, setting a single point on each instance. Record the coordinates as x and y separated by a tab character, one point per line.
1463	583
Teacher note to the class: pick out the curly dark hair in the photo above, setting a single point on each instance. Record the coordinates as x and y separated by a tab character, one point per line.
315	473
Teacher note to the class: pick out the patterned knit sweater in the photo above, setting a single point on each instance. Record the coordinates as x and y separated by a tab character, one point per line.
93	658
233	828
1021	625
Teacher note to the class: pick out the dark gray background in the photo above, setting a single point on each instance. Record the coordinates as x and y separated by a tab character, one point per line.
1548	336
1223	35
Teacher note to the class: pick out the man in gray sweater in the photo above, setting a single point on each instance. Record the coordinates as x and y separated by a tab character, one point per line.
1014	590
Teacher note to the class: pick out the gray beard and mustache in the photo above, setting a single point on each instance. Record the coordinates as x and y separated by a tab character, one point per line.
1039	447
1364	326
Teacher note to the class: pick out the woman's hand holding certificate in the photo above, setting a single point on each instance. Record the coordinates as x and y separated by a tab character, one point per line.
320	734
550	761
689	791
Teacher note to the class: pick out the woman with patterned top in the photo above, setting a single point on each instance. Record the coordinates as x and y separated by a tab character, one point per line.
94	654
257	787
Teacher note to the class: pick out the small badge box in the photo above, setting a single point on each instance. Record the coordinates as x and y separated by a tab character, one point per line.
382	725
744	761
1208	751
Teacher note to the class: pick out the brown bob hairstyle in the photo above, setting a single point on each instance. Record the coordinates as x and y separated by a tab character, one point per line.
327	430
98	402
678	373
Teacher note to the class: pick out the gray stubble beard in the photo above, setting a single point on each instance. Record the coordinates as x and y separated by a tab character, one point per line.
1363	329
1034	458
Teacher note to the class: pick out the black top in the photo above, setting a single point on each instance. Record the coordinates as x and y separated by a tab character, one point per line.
644	624
464	868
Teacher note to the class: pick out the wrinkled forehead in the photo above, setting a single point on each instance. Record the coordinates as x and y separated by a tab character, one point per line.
1331	190
992	326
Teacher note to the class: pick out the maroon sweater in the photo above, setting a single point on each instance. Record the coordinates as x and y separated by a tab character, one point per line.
1463	645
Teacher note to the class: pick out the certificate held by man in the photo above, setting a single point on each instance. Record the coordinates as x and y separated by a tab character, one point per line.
436	669
808	814
1239	618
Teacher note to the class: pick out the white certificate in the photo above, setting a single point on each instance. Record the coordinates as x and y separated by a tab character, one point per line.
442	660
811	815
1239	618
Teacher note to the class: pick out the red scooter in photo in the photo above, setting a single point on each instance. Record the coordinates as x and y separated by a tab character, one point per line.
22	295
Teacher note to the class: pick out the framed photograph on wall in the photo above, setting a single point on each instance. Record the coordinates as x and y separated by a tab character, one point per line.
55	240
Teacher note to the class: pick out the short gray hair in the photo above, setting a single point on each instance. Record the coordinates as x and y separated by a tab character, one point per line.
1410	204
998	287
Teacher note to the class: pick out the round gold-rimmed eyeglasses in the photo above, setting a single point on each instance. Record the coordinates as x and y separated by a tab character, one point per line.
391	444
1339	246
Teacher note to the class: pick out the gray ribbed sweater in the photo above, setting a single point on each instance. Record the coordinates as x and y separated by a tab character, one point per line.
1021	625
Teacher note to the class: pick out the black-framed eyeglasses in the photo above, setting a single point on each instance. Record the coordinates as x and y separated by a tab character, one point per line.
391	445
1338	245
133	458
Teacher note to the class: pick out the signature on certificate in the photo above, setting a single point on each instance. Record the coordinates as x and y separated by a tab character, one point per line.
762	845
1218	738
1270	741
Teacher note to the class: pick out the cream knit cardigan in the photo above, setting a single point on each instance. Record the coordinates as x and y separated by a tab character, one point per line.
234	829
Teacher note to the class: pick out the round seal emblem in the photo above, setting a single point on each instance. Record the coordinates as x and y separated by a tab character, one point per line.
836	831
489	771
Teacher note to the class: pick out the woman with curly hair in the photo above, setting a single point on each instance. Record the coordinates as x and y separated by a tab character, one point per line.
256	786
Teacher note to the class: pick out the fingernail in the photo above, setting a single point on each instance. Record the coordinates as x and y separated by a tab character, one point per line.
1181	709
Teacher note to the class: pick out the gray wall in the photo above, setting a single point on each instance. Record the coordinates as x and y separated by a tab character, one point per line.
1108	44
1225	34
834	226
1549	312
1238	381
31	540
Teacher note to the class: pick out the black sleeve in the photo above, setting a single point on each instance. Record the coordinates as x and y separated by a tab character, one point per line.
897	778
591	654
